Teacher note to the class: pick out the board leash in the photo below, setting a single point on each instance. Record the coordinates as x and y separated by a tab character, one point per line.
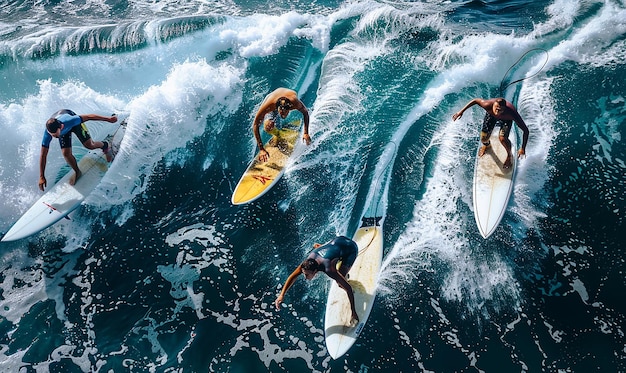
502	89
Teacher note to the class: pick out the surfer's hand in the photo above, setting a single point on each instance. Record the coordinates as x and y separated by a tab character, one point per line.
112	118
306	139
456	116
278	301
42	183
355	320
521	153
264	155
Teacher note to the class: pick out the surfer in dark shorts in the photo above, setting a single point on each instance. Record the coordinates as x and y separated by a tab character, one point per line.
61	125
278	103
502	113
324	258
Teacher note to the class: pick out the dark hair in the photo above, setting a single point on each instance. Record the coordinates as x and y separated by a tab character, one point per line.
501	101
310	264
284	103
53	125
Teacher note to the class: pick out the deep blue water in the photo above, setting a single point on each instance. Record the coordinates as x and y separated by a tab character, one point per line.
159	272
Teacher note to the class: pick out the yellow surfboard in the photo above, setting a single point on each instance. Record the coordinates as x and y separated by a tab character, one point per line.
260	177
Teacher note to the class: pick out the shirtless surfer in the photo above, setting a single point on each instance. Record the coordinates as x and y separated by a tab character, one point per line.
61	125
324	258
498	111
278	103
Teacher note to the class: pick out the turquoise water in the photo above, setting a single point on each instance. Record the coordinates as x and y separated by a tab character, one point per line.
159	272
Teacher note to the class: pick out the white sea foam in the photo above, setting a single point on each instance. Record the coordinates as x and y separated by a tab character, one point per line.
175	110
591	41
261	35
536	106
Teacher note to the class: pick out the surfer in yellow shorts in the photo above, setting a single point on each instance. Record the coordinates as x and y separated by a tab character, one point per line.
61	125
502	113
278	103
324	258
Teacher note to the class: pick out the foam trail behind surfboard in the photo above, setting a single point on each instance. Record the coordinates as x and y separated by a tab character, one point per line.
376	200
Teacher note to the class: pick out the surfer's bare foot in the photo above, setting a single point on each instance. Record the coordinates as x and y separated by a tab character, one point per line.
482	150
107	151
75	177
508	163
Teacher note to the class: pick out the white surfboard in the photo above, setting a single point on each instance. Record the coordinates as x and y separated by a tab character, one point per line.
493	183
363	276
64	198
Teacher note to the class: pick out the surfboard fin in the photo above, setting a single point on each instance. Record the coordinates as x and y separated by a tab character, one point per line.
371	221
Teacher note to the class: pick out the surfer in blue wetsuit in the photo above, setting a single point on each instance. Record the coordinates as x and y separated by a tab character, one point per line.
278	104
61	125
502	113
324	258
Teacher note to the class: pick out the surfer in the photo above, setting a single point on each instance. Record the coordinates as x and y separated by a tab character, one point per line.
502	113
61	125
278	103
324	258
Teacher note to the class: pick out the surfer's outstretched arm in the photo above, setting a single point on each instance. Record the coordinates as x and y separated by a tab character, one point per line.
292	278
110	119
458	114
477	101
43	159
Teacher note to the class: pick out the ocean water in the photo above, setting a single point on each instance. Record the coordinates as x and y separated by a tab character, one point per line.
158	272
